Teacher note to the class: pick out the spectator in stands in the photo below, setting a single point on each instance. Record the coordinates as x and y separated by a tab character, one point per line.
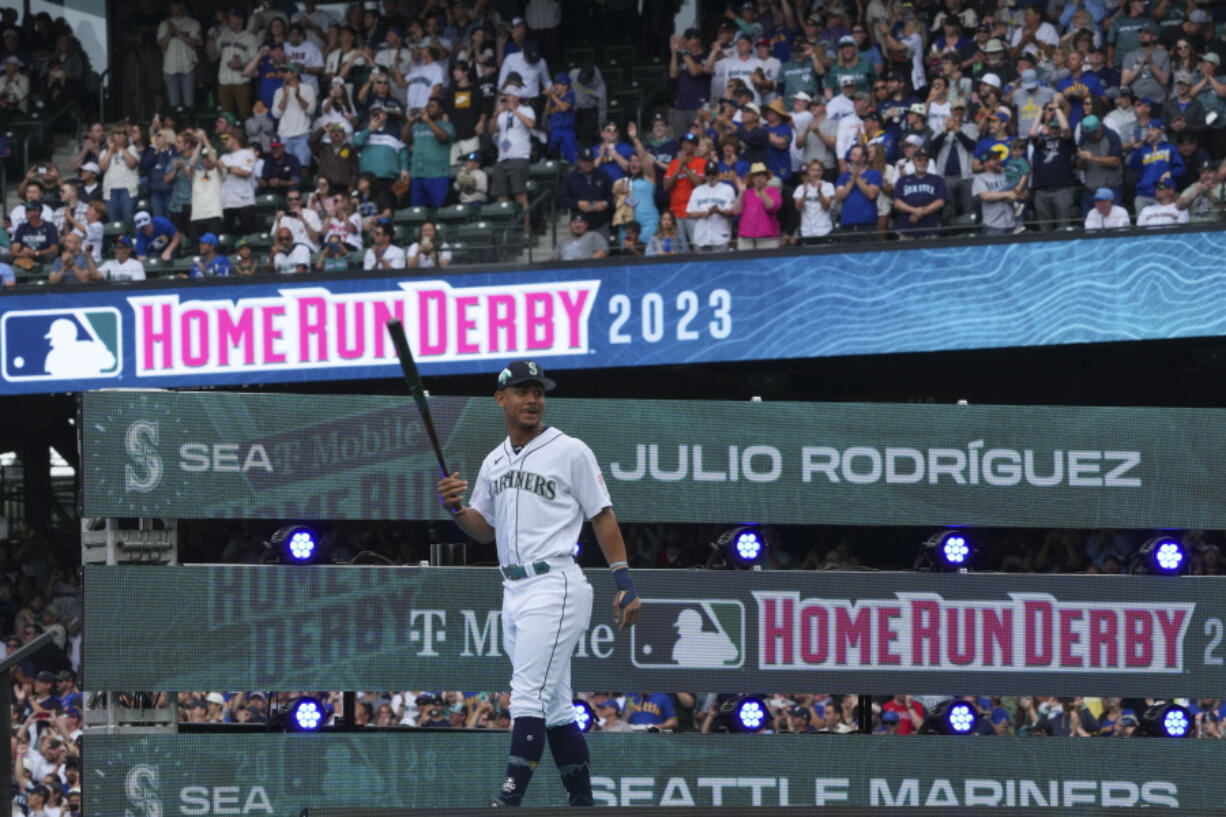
1054	152
909	711
243	261
1184	103
710	212
1202	199
591	99
920	198
14	87
179	36
293	104
991	188
1101	157
1165	210
234	47
160	163
303	223
32	188
72	265
238	188
471	183
383	254
581	245
179	177
513	124
120	181
206	178
467	112
210	263
286	257
857	189
334	257
560	112
684	173
281	171
814	197
335	157
89	226
757	205
90	147
36	240
687	65
1155	159
336	108
427	252
155	236
304	53
532	70
953	149
430	166
121	266
669	238
1105	214
651	710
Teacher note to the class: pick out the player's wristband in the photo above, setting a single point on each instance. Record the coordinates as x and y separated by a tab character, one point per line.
616	565
624	582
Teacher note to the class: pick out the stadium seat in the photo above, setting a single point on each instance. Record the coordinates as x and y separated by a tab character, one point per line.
647	76
500	212
411	216
549	171
455	214
225	243
260	243
156	268
142	204
578	55
624	54
270	201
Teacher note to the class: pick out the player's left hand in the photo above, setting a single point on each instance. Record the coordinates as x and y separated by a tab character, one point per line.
626	616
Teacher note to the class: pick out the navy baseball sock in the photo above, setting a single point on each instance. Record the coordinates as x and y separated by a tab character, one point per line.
527	746
569	751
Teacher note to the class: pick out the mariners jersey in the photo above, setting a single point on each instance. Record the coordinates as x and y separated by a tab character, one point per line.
536	500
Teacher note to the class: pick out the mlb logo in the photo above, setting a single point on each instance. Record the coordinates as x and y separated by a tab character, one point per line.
689	634
61	344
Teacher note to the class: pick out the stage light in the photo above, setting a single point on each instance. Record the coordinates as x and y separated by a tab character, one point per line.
585	716
305	714
950	718
1165	721
742	548
961	718
949	551
1160	556
751	714
296	544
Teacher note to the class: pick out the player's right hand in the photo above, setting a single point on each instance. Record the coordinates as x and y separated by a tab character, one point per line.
451	491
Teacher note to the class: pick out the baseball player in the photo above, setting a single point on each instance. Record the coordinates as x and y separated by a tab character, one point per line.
532	494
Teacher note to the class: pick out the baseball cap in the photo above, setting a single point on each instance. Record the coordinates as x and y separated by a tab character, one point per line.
1157	123
919	108
1164	183
691	33
92	167
517	21
889	717
586	155
562	78
957	102
847	79
1000	715
750	107
213	697
208	238
522	371
914	139
1003	117
1128	719
999	151
1030	79
846	40
124	241
47	676
990	79
993	46
689	137
763	41
800	712
34	205
276	143
802	96
1090	124
1184	76
1212	58
919	153
1150	27
142	218
64	675
1145	100
72	712
293	67
475	156
1104	194
1199	16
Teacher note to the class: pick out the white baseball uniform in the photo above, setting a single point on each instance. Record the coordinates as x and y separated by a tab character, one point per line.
536	500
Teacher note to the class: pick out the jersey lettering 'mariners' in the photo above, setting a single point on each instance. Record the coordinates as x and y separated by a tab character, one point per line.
525	481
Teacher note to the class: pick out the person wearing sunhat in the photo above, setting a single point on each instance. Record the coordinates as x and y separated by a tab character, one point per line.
780	136
757	204
292	105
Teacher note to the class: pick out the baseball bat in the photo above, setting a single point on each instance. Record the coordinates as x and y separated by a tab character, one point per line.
411	376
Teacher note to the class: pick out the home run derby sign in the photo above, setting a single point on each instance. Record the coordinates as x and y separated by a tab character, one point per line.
740	307
218	455
277	775
244	627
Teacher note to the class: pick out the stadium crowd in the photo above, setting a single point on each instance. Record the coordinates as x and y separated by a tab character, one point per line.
39	594
775	122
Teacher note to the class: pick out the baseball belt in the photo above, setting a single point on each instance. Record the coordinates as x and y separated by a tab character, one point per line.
514	573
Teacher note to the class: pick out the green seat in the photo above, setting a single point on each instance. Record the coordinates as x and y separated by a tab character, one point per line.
270	201
649	75
225	243
578	55
402	234
411	216
619	53
501	211
549	169
114	228
455	214
478	233
259	242
156	267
